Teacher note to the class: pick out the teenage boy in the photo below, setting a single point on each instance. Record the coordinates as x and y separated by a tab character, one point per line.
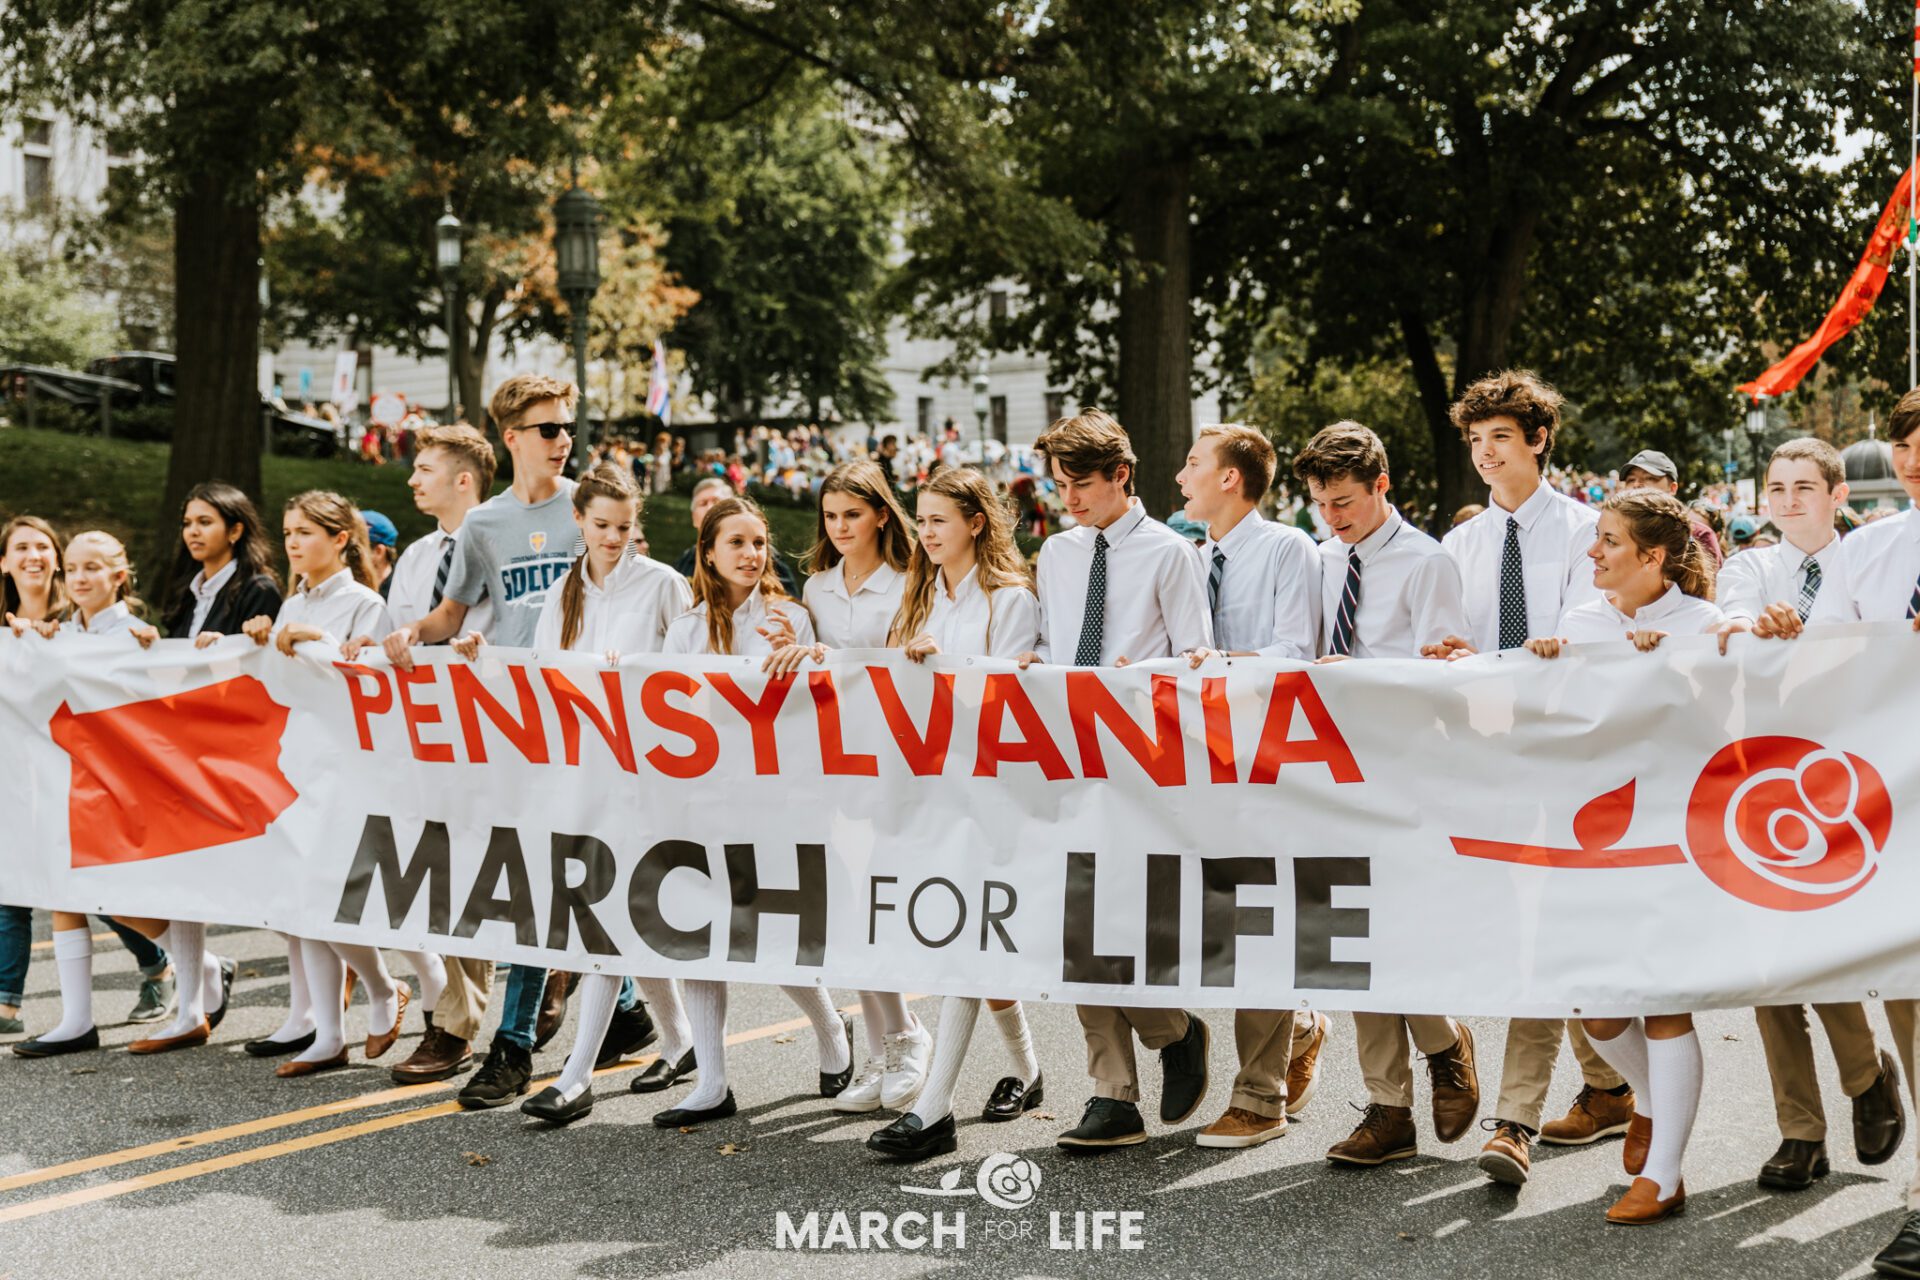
1523	562
511	548
1772	591
1387	590
1263	591
1119	588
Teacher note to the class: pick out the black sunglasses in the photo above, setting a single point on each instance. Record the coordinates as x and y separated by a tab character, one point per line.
551	430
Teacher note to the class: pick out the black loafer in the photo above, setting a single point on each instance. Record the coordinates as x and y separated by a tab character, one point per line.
905	1139
1183	1073
547	1105
42	1048
628	1033
227	969
1901	1257
833	1083
1011	1097
1879	1117
1795	1165
275	1048
661	1074
1107	1122
675	1117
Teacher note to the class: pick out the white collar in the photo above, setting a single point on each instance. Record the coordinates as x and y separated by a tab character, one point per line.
332	586
1374	543
880	580
203	586
1135	516
1245	530
1527	512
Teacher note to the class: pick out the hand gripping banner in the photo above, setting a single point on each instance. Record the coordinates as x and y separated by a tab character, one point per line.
1612	832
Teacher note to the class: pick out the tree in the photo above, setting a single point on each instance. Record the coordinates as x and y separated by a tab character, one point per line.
49	316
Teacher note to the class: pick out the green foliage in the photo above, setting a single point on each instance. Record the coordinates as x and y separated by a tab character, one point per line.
49	316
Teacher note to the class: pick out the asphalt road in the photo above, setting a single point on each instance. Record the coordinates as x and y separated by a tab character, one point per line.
202	1163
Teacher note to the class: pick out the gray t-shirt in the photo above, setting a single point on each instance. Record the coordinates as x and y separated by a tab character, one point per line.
511	552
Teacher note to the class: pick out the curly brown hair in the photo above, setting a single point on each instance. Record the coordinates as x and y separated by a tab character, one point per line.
1519	394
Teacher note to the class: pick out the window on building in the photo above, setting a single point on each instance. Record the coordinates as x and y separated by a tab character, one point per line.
37	133
923	415
997	305
998	413
37	182
1056	406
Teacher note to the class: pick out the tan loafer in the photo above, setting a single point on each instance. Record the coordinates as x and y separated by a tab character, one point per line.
162	1044
1642	1205
379	1044
294	1067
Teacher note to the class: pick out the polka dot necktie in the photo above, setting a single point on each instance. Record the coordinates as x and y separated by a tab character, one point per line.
1513	591
440	576
1349	606
1093	625
1810	586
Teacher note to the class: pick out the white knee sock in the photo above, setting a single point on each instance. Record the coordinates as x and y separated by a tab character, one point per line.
1674	1076
431	971
187	942
1627	1054
707	1012
73	958
886	1014
1013	1030
829	1033
299	1007
383	993
594	999
957	1016
326	988
870	1019
669	1017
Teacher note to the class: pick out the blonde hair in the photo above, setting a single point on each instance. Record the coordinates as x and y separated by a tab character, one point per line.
335	516
1660	521
608	480
1246	451
997	559
710	589
522	391
114	552
867	482
10	598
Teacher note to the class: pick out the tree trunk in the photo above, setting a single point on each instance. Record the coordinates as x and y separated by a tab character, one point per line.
218	426
1453	481
474	343
1156	353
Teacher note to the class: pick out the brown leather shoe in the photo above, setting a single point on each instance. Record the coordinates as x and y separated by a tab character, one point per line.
294	1067
1879	1118
1633	1152
1238	1127
1595	1114
438	1056
1303	1073
1456	1087
379	1044
1384	1133
553	1006
1642	1205
1506	1157
162	1044
346	995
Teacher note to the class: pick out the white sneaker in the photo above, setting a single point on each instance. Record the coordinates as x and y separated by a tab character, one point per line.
909	1053
863	1094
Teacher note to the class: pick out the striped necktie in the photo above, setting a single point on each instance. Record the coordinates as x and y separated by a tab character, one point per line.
1213	581
1913	604
1093	623
1349	605
440	576
1810	586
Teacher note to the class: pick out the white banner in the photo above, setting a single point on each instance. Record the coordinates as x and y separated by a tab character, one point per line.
1612	832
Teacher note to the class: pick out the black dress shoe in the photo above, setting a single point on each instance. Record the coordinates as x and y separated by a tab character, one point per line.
264	1048
661	1074
833	1082
674	1117
630	1031
1901	1257
227	970
39	1047
547	1105
1183	1073
906	1139
1795	1165
1107	1122
1011	1097
1879	1118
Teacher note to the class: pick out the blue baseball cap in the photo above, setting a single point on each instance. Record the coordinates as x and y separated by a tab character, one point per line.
380	530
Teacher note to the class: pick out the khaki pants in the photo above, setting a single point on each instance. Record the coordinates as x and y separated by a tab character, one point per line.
1900	1017
1789	1046
1264	1039
1382	1041
463	1006
1533	1047
1110	1031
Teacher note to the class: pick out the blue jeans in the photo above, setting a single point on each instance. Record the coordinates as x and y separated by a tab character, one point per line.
520	1009
16	949
148	954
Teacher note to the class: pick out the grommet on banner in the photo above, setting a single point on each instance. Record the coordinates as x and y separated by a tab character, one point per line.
1873	995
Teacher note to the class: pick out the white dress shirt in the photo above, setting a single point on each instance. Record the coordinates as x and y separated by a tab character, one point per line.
111	620
1005	624
1675	613
1410	594
1156	602
688	634
340	607
1269	589
857	620
1751	580
1874	575
410	596
205	589
628	613
1555	535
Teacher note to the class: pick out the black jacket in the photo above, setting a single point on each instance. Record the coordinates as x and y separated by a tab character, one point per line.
239	600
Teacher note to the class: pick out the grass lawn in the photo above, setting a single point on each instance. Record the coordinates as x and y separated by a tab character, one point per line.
82	482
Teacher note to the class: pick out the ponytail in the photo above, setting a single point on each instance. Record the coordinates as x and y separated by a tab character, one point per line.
573	602
1692	570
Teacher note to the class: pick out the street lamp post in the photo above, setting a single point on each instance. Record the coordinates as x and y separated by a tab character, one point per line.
576	245
446	252
1756	427
981	405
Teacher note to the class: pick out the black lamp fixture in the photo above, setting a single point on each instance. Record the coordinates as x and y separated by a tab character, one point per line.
446	256
576	245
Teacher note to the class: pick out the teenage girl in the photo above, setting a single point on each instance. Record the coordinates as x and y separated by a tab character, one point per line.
231	558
